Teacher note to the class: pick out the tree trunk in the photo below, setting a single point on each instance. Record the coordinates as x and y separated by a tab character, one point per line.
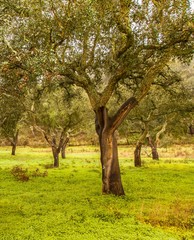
63	152
137	155
191	129
13	150
154	145
63	148
14	142
155	155
105	128
55	156
111	179
55	150
137	152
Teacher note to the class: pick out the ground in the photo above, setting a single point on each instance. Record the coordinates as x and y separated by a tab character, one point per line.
66	203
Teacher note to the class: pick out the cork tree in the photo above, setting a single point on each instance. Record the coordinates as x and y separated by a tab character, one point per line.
56	114
98	46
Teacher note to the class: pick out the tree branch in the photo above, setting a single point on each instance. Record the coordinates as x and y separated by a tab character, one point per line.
107	92
158	134
118	118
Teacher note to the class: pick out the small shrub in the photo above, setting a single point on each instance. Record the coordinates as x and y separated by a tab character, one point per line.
20	174
23	175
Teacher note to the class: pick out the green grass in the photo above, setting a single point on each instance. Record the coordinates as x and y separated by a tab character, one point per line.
68	205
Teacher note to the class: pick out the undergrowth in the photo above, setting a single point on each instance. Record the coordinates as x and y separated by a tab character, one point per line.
24	175
66	203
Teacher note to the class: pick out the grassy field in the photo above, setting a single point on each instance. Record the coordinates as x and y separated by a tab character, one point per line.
66	203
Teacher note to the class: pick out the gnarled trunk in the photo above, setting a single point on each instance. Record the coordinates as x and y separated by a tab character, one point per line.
111	179
105	128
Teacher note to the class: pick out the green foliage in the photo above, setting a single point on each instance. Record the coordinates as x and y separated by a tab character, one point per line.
11	112
93	44
67	204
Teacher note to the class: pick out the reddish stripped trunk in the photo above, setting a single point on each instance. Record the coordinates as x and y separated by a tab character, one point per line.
105	128
111	179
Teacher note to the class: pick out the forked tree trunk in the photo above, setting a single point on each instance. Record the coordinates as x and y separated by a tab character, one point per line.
111	179
154	144
155	155
137	155
56	148
105	128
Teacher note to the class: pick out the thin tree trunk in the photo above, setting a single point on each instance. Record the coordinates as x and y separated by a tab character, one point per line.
137	155
137	152
13	150
191	129
56	149
155	155
63	148
55	156
63	152
154	145
14	142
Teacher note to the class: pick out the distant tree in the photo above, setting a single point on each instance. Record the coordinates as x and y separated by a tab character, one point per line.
12	108
160	112
9	121
99	45
56	114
